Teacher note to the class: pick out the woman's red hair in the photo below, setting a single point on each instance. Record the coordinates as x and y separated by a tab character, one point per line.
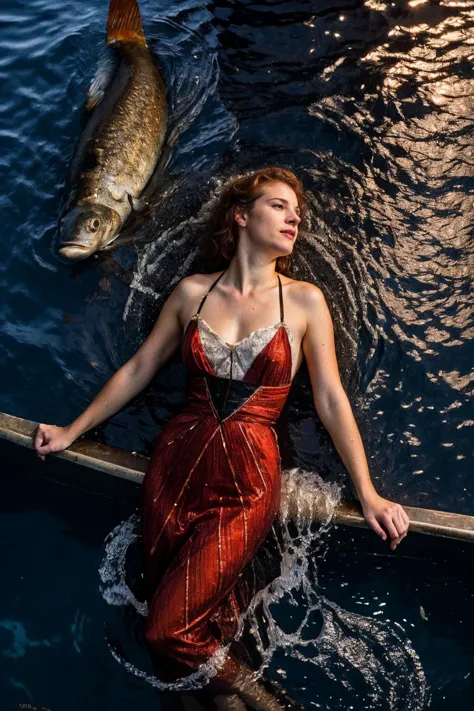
220	242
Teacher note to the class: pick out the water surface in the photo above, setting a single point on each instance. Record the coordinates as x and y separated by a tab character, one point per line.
370	103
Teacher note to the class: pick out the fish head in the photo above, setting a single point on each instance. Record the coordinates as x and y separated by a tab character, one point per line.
87	229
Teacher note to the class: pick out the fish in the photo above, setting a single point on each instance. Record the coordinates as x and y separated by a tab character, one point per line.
121	143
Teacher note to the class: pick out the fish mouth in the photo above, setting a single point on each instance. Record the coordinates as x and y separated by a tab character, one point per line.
74	251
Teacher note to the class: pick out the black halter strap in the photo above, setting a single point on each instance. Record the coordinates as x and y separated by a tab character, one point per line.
210	289
280	294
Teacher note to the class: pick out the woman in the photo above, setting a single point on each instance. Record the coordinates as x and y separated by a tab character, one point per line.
212	489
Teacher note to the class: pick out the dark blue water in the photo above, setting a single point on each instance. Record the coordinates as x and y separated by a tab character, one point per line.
53	645
371	104
55	627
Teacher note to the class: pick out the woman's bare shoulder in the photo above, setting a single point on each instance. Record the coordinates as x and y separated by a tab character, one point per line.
195	284
303	293
309	302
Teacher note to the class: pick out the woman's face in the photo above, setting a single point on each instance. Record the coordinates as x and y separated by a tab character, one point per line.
272	219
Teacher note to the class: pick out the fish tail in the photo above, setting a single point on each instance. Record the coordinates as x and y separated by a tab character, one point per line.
124	23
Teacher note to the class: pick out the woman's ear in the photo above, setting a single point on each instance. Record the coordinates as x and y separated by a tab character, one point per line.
240	217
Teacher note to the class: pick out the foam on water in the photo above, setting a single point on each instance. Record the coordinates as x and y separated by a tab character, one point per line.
372	659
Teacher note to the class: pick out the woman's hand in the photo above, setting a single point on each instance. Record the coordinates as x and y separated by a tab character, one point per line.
392	517
49	438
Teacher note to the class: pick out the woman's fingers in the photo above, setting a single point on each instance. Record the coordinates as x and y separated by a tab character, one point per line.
42	451
405	518
384	517
45	449
402	524
40	441
39	437
397	524
377	527
44	440
396	541
390	525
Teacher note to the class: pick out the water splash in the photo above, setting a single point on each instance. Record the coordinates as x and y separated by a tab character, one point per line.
112	571
176	244
371	659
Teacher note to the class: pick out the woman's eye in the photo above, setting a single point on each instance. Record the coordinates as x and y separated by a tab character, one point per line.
277	204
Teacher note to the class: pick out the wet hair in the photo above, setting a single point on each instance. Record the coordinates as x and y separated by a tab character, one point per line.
220	240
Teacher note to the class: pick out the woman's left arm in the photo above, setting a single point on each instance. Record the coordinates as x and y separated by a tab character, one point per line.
334	409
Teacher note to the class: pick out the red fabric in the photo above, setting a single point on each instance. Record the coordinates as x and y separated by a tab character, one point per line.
209	497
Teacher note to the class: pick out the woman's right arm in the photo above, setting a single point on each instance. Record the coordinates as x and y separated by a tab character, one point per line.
129	380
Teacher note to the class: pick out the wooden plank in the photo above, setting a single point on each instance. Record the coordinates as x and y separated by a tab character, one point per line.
126	465
427	521
110	460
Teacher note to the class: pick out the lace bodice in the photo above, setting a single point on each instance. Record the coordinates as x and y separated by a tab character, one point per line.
238	361
244	351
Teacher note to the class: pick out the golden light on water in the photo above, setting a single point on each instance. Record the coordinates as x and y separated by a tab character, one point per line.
375	5
414	189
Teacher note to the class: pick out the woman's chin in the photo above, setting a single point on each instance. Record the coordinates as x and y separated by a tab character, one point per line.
285	252
276	250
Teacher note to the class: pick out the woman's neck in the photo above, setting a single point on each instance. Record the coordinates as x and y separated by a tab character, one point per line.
249	277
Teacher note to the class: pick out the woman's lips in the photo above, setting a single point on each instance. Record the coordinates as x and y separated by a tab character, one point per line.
288	233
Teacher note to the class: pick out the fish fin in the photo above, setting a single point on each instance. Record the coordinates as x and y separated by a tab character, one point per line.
124	23
157	183
127	239
137	204
103	76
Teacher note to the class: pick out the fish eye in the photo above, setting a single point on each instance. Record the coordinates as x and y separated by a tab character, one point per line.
94	224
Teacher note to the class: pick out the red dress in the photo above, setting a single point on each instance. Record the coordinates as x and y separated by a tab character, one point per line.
210	496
